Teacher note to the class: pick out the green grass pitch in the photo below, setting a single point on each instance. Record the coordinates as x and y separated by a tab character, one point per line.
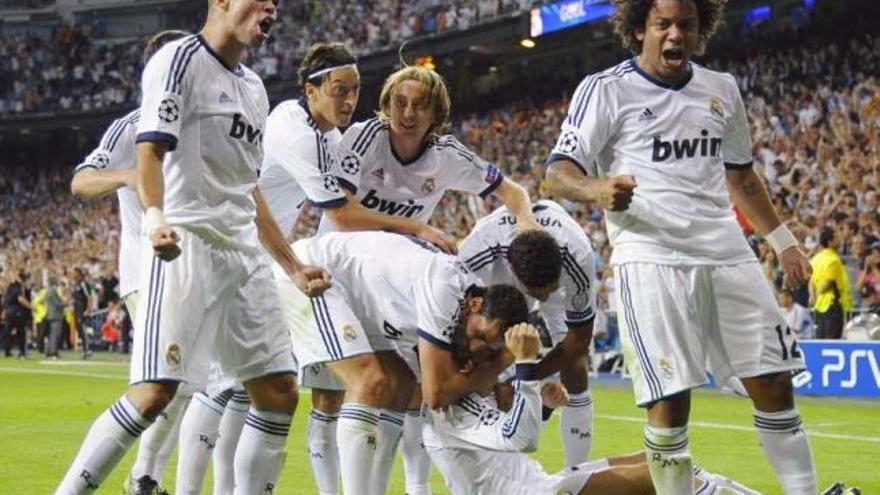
46	408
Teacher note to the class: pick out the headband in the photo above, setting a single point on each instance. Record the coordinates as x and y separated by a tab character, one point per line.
328	70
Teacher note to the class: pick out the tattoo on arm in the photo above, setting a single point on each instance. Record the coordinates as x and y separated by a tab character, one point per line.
751	186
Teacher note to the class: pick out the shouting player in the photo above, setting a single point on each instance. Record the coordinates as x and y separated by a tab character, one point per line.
663	145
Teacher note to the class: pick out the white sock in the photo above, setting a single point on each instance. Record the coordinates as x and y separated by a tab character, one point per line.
110	436
356	438
150	461
389	431
161	463
669	460
787	447
572	479
230	432
722	485
261	451
576	428
416	463
198	436
323	451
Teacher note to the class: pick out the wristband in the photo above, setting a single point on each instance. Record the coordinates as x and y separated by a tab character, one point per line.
781	239
526	370
153	219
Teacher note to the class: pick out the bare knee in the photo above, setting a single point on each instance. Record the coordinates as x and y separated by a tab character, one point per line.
327	401
574	377
770	393
151	398
276	393
368	381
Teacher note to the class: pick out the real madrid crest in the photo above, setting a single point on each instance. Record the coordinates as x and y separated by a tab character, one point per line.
172	357
428	185
580	301
716	108
348	332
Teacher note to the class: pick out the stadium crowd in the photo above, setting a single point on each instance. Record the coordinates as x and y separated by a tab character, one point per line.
79	68
814	110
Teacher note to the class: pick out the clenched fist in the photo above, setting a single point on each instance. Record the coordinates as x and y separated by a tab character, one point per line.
523	341
617	192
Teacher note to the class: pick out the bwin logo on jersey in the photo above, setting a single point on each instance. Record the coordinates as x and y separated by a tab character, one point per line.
241	129
405	209
686	148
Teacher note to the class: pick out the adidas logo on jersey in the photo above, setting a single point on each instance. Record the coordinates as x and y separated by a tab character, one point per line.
224	98
686	148
241	129
406	209
379	174
647	114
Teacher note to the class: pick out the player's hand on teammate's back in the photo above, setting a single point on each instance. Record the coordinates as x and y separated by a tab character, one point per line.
795	267
554	395
442	240
312	280
165	241
617	192
523	341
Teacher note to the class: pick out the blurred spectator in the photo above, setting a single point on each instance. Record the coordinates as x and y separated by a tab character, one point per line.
797	317
17	311
81	304
55	305
830	289
111	330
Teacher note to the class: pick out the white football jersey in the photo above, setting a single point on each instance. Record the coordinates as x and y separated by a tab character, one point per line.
405	284
381	182
212	117
116	151
297	166
484	251
677	142
476	423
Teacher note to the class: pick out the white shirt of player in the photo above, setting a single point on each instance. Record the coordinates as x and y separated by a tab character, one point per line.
484	251
402	283
116	151
476	423
380	181
298	163
212	117
677	142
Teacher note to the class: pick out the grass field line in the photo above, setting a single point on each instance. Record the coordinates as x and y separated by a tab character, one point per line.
628	419
27	371
721	426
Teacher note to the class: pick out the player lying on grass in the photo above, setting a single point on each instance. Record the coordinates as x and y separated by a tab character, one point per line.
481	450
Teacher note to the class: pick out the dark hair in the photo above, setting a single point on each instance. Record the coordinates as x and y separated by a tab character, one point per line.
504	303
826	235
535	258
322	56
631	16
159	40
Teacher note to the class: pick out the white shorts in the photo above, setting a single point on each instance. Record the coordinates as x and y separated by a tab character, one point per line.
328	327
208	305
319	376
486	472
678	322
